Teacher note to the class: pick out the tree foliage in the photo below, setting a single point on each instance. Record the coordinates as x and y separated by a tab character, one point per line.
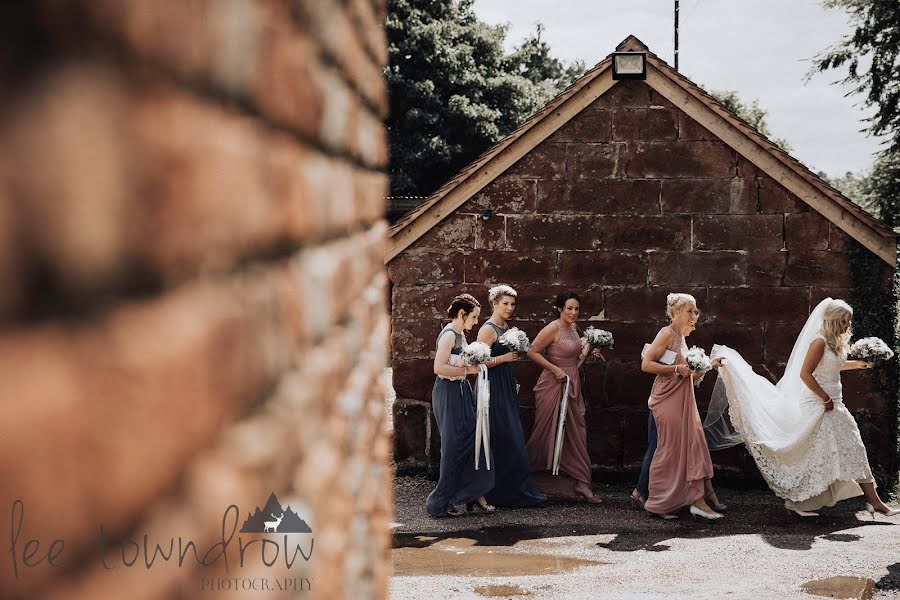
752	113
871	55
454	90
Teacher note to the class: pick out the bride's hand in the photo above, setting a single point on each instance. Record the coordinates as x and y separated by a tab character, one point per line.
717	362
829	405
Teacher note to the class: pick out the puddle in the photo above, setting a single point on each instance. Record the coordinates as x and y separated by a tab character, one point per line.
841	587
501	591
461	557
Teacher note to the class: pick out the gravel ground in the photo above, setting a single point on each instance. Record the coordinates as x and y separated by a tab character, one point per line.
569	549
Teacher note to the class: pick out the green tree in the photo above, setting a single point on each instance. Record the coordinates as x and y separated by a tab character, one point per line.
871	55
752	113
454	90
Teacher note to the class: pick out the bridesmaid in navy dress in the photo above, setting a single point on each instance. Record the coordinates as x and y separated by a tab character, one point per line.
453	403
514	485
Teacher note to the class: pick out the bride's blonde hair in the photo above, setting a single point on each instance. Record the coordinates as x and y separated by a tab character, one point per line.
835	323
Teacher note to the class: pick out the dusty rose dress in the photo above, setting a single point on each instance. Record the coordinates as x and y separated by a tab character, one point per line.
682	461
574	460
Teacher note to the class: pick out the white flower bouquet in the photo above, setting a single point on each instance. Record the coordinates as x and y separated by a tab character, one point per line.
598	338
697	360
516	340
475	353
871	349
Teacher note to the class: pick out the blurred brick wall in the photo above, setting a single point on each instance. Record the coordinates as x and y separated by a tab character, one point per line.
192	289
627	202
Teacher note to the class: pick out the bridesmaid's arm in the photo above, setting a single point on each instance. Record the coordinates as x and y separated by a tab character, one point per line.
544	339
488	336
650	362
850	365
442	364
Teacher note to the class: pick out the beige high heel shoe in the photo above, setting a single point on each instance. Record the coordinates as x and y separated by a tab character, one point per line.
890	511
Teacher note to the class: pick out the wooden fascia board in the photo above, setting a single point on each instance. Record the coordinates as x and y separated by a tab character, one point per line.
506	158
884	247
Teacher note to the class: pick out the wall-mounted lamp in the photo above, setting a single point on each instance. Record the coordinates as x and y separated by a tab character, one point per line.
487	214
629	65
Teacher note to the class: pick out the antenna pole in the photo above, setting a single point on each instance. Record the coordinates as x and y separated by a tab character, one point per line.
676	35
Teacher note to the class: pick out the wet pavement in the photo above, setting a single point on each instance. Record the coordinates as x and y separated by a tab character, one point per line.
569	549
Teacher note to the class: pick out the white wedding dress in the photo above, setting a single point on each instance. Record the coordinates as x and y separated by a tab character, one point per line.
809	456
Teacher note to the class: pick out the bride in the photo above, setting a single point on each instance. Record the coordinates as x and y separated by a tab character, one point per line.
804	440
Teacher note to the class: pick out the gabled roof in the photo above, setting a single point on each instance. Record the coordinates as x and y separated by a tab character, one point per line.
686	96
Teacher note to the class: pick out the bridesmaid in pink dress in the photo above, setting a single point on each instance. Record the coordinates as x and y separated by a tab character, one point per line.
559	350
681	471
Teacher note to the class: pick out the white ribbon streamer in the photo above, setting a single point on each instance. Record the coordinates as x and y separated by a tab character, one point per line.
482	417
561	426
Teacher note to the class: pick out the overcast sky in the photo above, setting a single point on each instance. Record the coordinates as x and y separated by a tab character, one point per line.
760	48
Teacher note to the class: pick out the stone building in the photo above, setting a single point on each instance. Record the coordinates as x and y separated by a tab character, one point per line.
192	295
626	190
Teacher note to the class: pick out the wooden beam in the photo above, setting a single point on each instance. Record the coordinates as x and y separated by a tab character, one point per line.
884	247
506	158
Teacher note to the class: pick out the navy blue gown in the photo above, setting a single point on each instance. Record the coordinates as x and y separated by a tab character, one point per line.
514	486
453	403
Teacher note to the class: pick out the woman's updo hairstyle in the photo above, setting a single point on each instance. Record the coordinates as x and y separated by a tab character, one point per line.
463	302
498	291
560	303
675	302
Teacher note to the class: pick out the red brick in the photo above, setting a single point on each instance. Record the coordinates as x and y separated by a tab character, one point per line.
410	423
428	302
698	268
414	378
643	304
779	339
708	196
624	93
554	232
608	197
691	130
424	266
500	267
591	161
806	231
766	269
604	438
817	294
837	239
602	268
739	232
546	161
773	198
535	303
627	386
644	233
490	234
634	437
644	124
90	392
752	306
413	339
333	30
817	268
586	127
745	338
454	231
679	159
630	337
505	195
370	28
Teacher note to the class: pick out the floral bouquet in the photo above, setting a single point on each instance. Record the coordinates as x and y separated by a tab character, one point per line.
598	338
697	360
475	353
871	349
516	340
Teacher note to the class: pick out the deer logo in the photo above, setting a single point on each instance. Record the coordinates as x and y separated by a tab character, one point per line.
273	525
